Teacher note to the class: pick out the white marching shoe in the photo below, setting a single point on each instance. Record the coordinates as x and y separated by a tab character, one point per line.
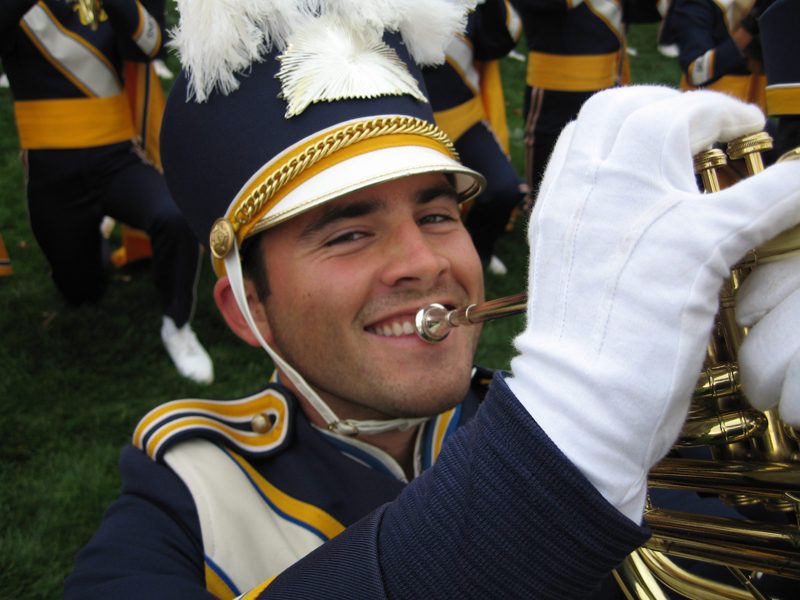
496	266
186	352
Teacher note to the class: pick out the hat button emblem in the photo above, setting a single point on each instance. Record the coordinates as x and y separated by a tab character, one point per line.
221	239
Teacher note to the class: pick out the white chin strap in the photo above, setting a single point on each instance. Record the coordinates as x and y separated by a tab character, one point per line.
233	267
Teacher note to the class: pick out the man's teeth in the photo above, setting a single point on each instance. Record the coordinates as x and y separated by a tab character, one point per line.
394	330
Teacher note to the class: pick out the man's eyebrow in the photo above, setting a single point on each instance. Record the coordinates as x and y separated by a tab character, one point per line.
332	213
444	190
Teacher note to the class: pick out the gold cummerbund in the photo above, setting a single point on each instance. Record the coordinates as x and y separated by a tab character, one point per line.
585	73
783	100
456	121
73	122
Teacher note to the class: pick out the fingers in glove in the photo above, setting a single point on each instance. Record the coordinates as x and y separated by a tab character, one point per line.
790	396
662	138
767	352
603	115
745	215
765	288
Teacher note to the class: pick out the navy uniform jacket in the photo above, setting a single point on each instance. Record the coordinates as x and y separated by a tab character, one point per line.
501	513
67	80
708	55
454	87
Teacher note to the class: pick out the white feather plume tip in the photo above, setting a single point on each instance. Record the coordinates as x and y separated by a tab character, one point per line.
327	61
216	39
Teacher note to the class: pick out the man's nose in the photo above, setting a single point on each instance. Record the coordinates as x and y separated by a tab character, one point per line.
411	256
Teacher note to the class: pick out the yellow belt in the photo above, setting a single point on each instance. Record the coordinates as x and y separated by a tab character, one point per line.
585	73
74	122
783	100
456	121
748	88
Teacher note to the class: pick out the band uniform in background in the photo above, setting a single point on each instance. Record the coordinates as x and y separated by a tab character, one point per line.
466	95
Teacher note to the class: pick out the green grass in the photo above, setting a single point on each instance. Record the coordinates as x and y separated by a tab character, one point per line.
74	382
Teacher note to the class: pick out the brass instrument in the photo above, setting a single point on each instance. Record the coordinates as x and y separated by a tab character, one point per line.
90	11
756	457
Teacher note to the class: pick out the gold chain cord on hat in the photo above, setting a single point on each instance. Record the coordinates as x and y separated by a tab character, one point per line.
330	144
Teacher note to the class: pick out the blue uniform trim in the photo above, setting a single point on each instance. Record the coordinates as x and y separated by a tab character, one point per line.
359	455
272	504
221	574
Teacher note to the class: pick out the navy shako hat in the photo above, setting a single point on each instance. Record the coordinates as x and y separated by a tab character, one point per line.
780	41
334	107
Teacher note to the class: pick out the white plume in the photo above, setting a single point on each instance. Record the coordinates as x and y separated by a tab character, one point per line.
326	61
216	39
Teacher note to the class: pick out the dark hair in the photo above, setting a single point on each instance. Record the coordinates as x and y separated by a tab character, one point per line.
254	267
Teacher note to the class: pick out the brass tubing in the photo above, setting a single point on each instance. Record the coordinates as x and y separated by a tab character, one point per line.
737	543
637	581
705	165
776	481
686	583
718	380
721	428
434	322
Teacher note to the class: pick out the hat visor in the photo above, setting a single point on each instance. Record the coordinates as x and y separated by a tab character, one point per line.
368	169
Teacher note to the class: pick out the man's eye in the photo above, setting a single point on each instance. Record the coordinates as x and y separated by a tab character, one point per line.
437	218
350	236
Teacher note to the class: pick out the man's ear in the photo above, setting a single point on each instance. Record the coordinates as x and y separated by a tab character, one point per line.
226	302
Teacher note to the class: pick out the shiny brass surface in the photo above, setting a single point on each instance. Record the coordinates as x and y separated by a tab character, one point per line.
705	165
763	547
721	428
764	480
434	322
750	148
686	583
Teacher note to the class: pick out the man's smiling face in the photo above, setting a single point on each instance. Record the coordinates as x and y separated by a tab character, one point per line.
346	280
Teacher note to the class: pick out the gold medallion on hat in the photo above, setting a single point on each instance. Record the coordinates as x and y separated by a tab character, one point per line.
222	238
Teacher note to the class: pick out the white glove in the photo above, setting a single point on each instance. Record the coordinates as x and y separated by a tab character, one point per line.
769	359
627	259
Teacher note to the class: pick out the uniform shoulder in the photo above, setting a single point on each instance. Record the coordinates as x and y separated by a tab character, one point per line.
255	426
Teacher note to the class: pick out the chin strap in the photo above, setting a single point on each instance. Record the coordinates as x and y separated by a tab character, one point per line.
233	267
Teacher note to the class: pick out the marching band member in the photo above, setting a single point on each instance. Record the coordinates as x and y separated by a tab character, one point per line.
83	159
304	153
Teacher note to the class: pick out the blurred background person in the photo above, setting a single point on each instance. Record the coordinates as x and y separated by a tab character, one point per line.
720	49
467	98
90	149
779	28
575	48
713	37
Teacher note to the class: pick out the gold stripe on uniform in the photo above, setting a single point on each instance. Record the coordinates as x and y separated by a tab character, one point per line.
456	121
308	514
783	100
586	73
73	122
217	586
256	591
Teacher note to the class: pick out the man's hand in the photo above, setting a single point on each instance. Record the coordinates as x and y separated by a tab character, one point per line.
769	303
627	259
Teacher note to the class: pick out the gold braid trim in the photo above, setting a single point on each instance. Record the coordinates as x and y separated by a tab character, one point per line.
328	145
224	230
